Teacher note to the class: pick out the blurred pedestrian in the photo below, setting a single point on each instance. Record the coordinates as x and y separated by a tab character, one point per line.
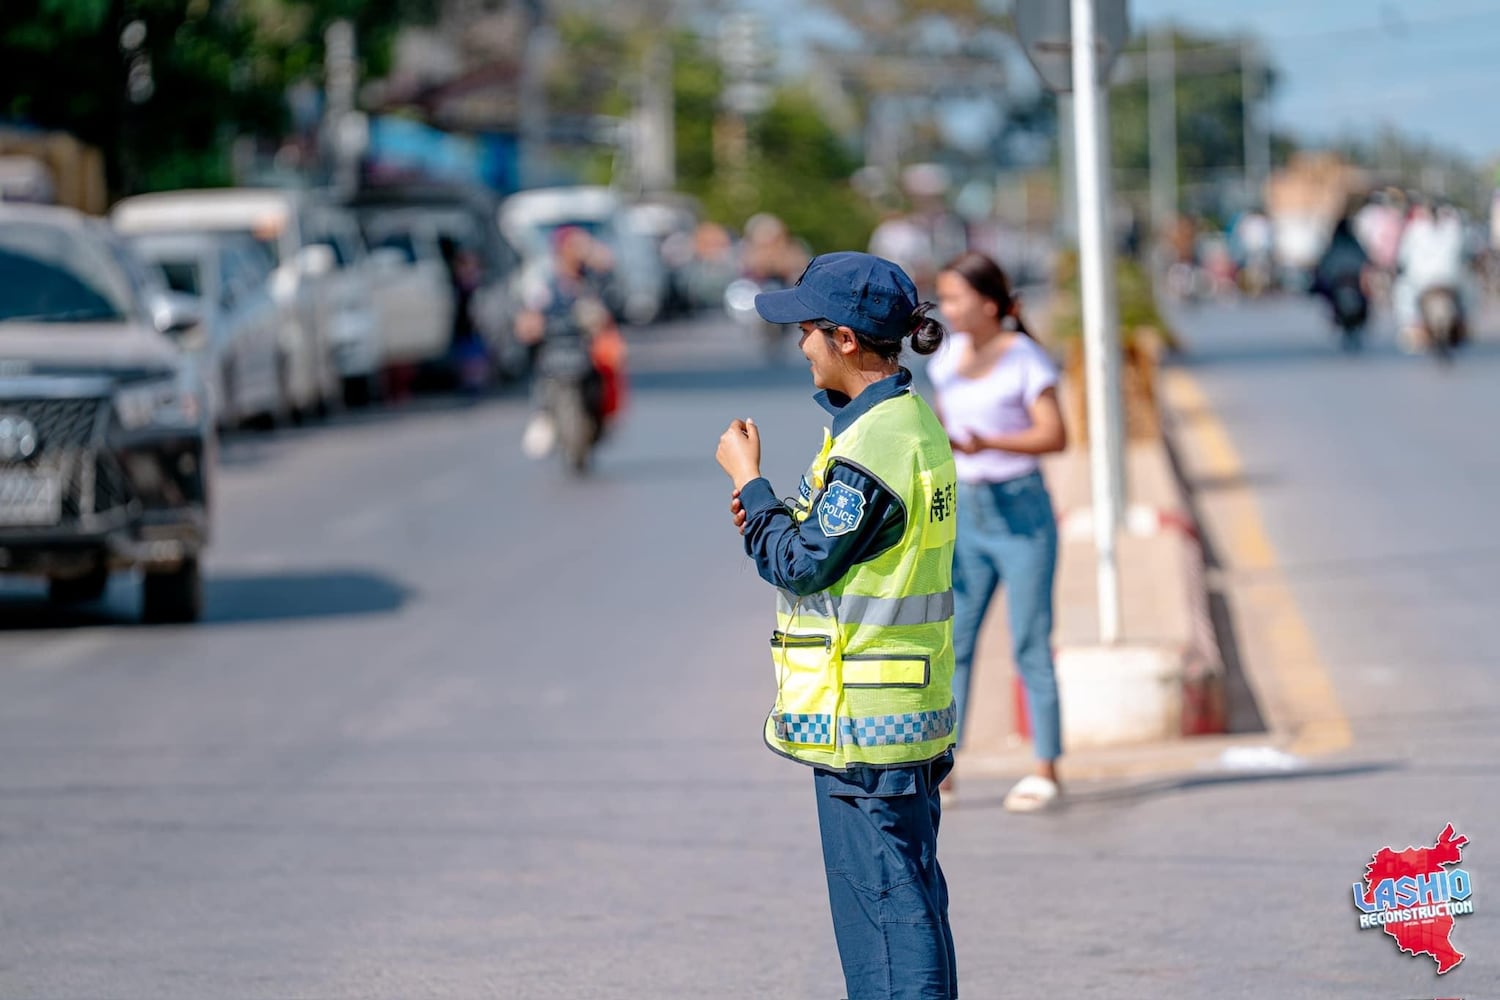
771	257
466	348
997	396
862	560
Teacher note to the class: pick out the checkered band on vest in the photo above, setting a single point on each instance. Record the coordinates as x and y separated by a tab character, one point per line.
884	730
804	727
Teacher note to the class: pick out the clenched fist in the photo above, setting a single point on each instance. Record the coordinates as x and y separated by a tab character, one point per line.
739	452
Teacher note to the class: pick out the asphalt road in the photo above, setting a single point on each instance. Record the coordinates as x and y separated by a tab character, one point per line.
457	726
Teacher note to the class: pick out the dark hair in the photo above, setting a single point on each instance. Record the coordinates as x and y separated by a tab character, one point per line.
925	332
988	279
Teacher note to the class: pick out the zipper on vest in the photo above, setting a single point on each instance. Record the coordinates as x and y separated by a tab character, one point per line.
781	639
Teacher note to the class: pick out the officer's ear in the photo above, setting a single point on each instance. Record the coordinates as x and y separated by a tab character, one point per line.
845	342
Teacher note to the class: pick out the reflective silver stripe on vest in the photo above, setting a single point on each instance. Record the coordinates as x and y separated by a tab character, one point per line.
858	609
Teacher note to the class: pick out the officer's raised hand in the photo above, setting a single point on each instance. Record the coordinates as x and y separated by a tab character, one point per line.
739	452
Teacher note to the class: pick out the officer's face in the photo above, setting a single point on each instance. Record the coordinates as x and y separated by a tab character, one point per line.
821	356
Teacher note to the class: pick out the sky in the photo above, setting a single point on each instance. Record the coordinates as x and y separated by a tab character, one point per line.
1347	67
1431	69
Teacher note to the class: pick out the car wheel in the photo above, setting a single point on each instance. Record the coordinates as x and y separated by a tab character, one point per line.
174	596
361	390
78	589
284	412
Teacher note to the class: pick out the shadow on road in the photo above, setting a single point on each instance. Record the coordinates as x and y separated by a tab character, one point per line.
291	595
1215	779
229	598
1137	791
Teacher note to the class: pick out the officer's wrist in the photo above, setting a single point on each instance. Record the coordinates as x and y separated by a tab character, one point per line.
744	476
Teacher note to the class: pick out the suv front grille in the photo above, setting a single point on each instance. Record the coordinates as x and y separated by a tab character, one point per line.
71	436
60	423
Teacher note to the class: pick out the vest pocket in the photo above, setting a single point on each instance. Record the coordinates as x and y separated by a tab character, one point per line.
874	670
807	694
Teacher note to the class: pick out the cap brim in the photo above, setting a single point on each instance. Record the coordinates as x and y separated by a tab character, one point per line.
784	306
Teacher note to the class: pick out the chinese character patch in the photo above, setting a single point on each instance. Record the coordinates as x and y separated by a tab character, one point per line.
942	504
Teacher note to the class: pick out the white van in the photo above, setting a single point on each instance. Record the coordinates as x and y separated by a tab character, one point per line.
330	337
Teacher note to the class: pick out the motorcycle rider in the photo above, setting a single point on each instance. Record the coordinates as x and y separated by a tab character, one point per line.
569	309
1431	257
1343	263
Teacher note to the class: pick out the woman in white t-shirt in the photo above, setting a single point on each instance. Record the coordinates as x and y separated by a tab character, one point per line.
997	397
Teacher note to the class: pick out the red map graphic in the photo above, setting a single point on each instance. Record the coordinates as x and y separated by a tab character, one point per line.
1420	937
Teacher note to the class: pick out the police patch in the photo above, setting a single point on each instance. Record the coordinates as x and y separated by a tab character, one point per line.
840	510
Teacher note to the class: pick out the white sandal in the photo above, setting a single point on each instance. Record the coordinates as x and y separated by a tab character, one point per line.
1032	793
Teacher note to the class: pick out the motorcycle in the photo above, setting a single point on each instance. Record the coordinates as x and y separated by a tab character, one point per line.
1351	310
568	395
1442	317
739	304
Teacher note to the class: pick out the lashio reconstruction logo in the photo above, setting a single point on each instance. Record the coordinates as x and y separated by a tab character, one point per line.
1414	897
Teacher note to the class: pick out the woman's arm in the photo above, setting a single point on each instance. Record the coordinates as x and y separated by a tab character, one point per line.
1046	435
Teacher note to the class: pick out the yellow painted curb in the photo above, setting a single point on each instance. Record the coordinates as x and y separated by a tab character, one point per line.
1290	679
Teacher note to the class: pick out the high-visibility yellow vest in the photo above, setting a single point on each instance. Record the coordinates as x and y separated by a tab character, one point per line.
864	669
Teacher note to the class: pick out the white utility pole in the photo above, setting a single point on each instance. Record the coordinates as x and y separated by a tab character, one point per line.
1067	158
1257	134
1162	113
1101	344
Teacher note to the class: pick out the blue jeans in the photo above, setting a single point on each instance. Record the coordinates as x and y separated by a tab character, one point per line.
1007	534
885	888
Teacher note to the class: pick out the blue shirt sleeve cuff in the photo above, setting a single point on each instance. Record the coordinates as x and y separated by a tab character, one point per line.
757	497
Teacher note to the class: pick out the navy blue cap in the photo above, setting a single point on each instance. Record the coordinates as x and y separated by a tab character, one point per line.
866	293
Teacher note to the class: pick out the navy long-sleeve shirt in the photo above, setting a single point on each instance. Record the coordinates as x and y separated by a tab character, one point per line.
853	518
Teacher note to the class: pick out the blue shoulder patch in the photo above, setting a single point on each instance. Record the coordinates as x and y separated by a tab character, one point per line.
840	510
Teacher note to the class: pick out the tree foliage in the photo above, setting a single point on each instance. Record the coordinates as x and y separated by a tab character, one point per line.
796	166
1210	112
218	68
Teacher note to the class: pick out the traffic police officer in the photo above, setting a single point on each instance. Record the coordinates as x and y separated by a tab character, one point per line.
862	561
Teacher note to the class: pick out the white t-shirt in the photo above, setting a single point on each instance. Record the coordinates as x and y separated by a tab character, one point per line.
997	403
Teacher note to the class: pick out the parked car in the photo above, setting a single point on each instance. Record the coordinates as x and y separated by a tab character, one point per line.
467	217
320	344
668	223
355	319
412	287
636	287
238	342
106	449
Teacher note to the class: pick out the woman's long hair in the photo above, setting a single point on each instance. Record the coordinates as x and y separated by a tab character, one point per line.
989	280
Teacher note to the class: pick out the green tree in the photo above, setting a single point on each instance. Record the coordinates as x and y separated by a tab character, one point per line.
1210	112
800	172
797	169
218	70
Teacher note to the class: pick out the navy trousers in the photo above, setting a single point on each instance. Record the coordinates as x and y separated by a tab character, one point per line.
885	888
